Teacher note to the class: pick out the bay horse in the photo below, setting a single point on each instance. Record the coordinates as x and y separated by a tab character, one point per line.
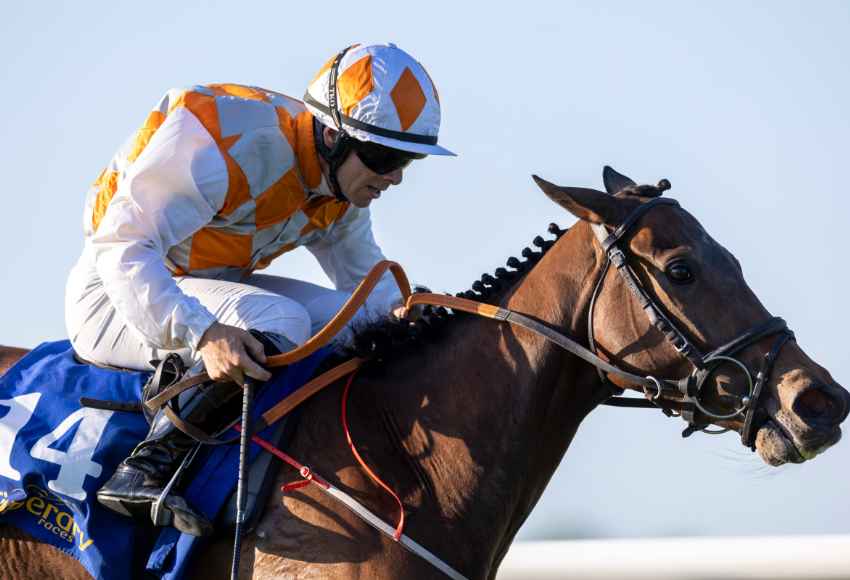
468	418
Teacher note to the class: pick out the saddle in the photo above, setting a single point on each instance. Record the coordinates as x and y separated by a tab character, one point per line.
59	453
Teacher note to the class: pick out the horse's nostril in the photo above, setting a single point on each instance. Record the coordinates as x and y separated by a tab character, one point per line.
845	396
823	405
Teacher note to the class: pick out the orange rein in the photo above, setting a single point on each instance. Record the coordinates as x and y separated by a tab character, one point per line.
320	339
330	330
346	313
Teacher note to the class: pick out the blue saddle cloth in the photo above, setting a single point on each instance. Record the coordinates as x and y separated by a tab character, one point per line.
55	454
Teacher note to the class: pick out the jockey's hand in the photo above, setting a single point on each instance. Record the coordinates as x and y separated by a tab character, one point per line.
400	312
412	315
230	353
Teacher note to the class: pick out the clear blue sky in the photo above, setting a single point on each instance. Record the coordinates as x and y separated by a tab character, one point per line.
744	106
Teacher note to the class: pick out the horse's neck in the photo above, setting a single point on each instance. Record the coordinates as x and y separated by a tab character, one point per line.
490	416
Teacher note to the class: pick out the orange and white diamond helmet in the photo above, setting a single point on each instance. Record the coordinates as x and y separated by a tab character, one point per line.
380	94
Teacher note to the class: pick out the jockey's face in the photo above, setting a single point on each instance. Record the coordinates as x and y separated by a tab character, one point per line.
360	184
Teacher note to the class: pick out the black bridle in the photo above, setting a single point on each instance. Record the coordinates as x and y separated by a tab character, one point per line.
687	391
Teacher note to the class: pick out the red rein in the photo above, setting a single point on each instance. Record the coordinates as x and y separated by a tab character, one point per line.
400	526
310	477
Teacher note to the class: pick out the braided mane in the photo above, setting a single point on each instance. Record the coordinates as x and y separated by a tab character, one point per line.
389	339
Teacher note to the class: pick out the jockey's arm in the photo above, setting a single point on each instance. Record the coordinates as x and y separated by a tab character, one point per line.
171	191
349	252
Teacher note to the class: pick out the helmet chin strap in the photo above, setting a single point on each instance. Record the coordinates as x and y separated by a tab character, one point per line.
334	156
342	143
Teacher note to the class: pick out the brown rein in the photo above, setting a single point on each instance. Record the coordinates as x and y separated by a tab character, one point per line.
347	312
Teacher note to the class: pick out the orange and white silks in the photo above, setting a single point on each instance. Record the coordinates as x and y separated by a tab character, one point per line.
219	181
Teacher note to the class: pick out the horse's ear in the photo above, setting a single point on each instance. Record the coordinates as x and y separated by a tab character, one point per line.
615	181
587	204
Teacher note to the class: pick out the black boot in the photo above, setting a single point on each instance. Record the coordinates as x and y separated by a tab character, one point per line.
140	479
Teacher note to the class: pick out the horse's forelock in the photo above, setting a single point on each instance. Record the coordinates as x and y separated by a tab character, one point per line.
650	191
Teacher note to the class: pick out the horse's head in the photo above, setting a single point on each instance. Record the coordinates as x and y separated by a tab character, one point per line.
699	293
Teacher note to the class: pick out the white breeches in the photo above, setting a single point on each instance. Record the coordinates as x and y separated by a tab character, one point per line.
283	306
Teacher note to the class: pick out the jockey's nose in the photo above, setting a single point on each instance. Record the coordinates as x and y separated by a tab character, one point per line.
394	177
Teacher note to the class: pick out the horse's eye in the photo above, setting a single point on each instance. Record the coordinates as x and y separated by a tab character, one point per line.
680	273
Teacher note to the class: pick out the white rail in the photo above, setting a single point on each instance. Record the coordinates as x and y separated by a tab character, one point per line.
803	557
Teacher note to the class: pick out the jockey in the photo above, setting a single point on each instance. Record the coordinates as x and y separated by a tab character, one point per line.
219	181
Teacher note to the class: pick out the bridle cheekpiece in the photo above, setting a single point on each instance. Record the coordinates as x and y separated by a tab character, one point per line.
687	392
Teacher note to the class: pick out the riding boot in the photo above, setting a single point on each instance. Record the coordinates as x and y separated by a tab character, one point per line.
139	480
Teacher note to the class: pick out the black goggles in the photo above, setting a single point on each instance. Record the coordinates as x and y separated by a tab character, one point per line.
381	159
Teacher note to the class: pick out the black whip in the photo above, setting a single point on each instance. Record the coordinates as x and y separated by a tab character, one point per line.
244	440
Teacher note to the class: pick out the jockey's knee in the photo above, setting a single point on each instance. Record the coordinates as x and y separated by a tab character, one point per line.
281	317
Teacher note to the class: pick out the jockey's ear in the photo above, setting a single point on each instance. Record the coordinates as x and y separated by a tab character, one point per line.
587	204
614	180
328	136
